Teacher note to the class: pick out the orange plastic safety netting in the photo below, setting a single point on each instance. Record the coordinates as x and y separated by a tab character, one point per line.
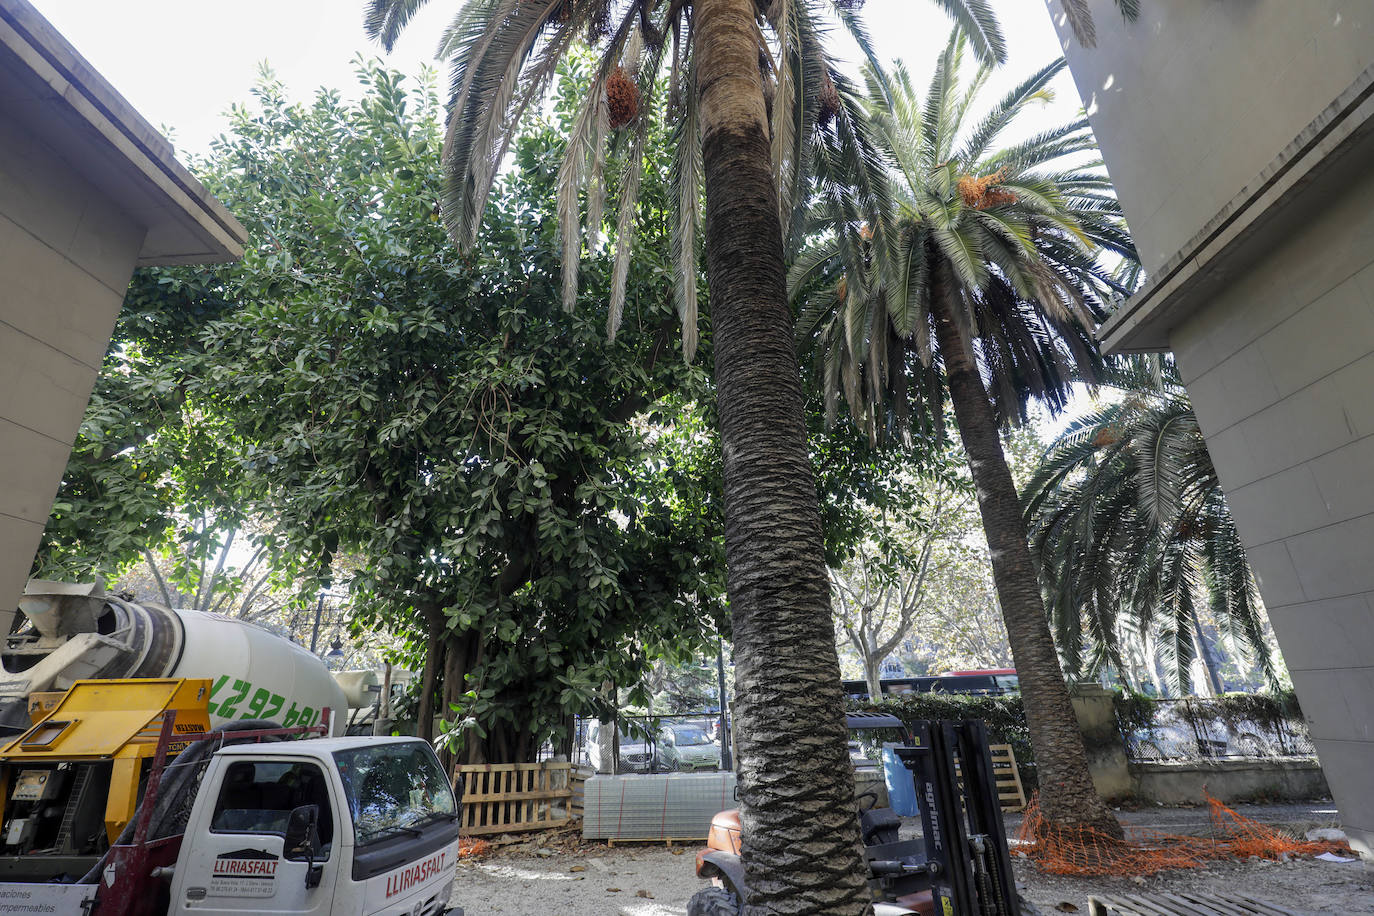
1084	851
468	848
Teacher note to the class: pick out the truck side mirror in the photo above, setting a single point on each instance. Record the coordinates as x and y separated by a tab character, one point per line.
302	831
303	840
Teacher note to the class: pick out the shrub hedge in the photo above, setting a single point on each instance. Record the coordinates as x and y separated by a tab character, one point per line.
1002	713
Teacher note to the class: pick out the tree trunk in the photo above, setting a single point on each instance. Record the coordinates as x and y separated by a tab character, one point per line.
1067	796
801	840
434	660
873	678
455	669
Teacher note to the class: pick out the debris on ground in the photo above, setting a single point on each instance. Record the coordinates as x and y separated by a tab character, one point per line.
469	848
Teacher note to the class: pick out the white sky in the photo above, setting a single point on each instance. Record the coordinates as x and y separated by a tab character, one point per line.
181	63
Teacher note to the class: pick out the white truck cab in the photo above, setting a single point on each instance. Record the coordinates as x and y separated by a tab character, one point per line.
364	826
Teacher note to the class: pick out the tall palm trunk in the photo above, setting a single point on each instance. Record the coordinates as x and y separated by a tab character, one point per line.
801	842
1067	795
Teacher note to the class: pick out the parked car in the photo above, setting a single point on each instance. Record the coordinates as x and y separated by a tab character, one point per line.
687	747
637	753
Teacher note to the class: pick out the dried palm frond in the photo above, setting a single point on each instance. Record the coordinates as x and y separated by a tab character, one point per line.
686	180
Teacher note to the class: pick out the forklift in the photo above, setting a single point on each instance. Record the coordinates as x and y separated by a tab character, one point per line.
959	866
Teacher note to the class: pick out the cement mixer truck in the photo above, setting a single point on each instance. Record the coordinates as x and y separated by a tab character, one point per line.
119	802
68	633
134	780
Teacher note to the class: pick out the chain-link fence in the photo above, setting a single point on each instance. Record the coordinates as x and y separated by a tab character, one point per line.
1201	729
688	742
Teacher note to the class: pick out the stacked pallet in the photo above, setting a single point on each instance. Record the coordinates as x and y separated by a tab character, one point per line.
665	806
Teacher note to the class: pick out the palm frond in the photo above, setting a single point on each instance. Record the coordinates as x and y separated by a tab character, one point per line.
631	176
494	42
1080	20
1126	508
1002	114
385	19
976	19
582	146
685	189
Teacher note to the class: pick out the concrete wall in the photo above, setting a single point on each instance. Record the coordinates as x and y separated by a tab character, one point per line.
66	254
1280	368
1096	711
1193	100
1228	781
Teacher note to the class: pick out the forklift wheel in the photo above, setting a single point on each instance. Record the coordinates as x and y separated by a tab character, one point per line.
714	901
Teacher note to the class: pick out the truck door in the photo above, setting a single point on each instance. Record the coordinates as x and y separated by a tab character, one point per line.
233	859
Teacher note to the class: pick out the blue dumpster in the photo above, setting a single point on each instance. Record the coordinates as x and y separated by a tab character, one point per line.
901	788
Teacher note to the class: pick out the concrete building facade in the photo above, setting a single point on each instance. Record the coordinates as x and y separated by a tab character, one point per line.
1238	134
88	190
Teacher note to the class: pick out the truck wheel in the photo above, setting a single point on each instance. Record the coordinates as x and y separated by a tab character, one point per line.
714	901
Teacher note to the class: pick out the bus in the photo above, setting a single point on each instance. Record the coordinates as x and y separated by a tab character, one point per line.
981	680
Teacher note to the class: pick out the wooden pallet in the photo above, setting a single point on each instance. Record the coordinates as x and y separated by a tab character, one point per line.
1182	904
514	797
665	840
577	780
1010	793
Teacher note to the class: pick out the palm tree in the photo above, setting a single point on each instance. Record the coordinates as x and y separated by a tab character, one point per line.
1127	517
979	278
750	89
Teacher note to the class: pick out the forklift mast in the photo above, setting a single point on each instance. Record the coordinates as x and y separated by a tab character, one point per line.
969	866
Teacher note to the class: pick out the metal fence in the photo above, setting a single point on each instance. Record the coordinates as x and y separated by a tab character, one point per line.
1199	729
653	744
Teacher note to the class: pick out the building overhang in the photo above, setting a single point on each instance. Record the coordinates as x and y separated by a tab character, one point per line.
1312	170
58	97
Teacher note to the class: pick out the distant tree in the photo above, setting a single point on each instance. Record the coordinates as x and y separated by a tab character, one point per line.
890	583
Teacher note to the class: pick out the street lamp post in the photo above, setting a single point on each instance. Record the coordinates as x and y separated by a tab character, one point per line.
315	633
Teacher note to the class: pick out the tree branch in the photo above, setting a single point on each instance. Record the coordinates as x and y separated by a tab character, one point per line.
157	576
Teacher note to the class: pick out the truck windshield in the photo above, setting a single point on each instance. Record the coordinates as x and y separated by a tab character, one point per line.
393	788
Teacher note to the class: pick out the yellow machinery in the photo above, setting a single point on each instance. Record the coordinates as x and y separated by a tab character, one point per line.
72	782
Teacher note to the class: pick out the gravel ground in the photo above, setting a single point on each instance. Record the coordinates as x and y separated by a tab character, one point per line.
557	875
524	885
1306	886
619	881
